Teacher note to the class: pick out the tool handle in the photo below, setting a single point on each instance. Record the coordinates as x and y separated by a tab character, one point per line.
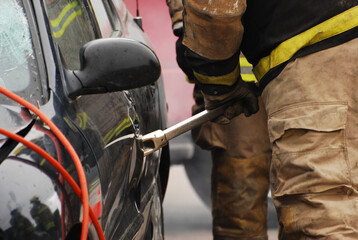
192	122
153	141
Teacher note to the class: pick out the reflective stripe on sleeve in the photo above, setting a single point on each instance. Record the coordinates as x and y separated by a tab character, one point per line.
244	62
227	79
246	77
67	15
246	70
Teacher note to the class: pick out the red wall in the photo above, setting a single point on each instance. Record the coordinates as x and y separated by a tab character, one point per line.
157	24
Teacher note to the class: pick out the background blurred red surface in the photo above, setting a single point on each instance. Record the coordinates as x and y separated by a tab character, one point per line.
157	24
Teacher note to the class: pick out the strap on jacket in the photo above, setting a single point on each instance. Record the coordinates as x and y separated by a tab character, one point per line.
327	29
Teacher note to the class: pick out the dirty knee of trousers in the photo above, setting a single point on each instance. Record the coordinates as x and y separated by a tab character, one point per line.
239	196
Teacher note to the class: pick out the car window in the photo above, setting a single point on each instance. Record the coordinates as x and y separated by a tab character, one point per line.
18	65
103	20
120	11
118	3
71	28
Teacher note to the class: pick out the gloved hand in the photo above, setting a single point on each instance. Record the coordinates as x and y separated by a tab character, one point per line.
198	97
241	95
242	99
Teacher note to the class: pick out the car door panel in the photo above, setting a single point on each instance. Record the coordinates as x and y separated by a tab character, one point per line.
102	128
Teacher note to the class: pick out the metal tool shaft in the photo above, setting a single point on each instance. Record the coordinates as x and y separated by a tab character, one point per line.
153	141
192	122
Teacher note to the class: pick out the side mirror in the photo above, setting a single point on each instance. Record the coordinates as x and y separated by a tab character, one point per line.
112	64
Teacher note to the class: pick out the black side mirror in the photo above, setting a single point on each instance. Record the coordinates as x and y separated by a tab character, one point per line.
112	64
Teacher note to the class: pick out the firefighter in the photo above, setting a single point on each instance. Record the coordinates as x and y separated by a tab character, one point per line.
304	55
241	156
22	227
45	221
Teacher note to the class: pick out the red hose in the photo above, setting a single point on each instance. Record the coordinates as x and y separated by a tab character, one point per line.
59	159
25	114
60	169
83	195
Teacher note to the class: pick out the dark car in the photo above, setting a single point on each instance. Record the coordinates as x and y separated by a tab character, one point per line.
90	69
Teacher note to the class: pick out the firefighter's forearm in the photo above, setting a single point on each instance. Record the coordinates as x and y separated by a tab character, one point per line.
176	11
213	29
214	77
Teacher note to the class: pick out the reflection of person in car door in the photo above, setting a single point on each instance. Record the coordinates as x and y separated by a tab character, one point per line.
241	158
22	227
45	221
71	28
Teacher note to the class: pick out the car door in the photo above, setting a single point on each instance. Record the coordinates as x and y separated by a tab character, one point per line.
109	122
147	111
101	118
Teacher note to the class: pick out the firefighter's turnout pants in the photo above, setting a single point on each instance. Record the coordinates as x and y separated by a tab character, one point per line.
240	174
312	121
312	125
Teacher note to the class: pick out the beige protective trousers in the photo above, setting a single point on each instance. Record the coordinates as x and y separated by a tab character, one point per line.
240	174
312	109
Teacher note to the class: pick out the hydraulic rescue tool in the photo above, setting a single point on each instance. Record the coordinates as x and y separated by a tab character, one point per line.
153	141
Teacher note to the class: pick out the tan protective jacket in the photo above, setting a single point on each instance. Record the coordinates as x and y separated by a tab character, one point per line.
276	31
175	10
214	31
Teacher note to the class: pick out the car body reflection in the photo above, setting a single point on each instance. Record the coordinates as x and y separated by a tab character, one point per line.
99	115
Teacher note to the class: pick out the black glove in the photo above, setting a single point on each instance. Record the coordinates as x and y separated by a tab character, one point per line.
198	97
242	99
241	95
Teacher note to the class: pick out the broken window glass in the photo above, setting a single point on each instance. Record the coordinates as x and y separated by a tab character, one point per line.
18	63
15	47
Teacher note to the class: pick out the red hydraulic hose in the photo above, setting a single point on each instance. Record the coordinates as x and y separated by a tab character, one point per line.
27	117
59	159
25	114
60	169
83	191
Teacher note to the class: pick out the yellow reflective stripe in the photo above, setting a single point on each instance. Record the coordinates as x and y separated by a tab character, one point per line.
108	136
18	151
244	62
67	22
56	22
68	122
126	123
188	80
42	162
82	117
248	77
42	209
50	225
227	79
329	28
124	127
